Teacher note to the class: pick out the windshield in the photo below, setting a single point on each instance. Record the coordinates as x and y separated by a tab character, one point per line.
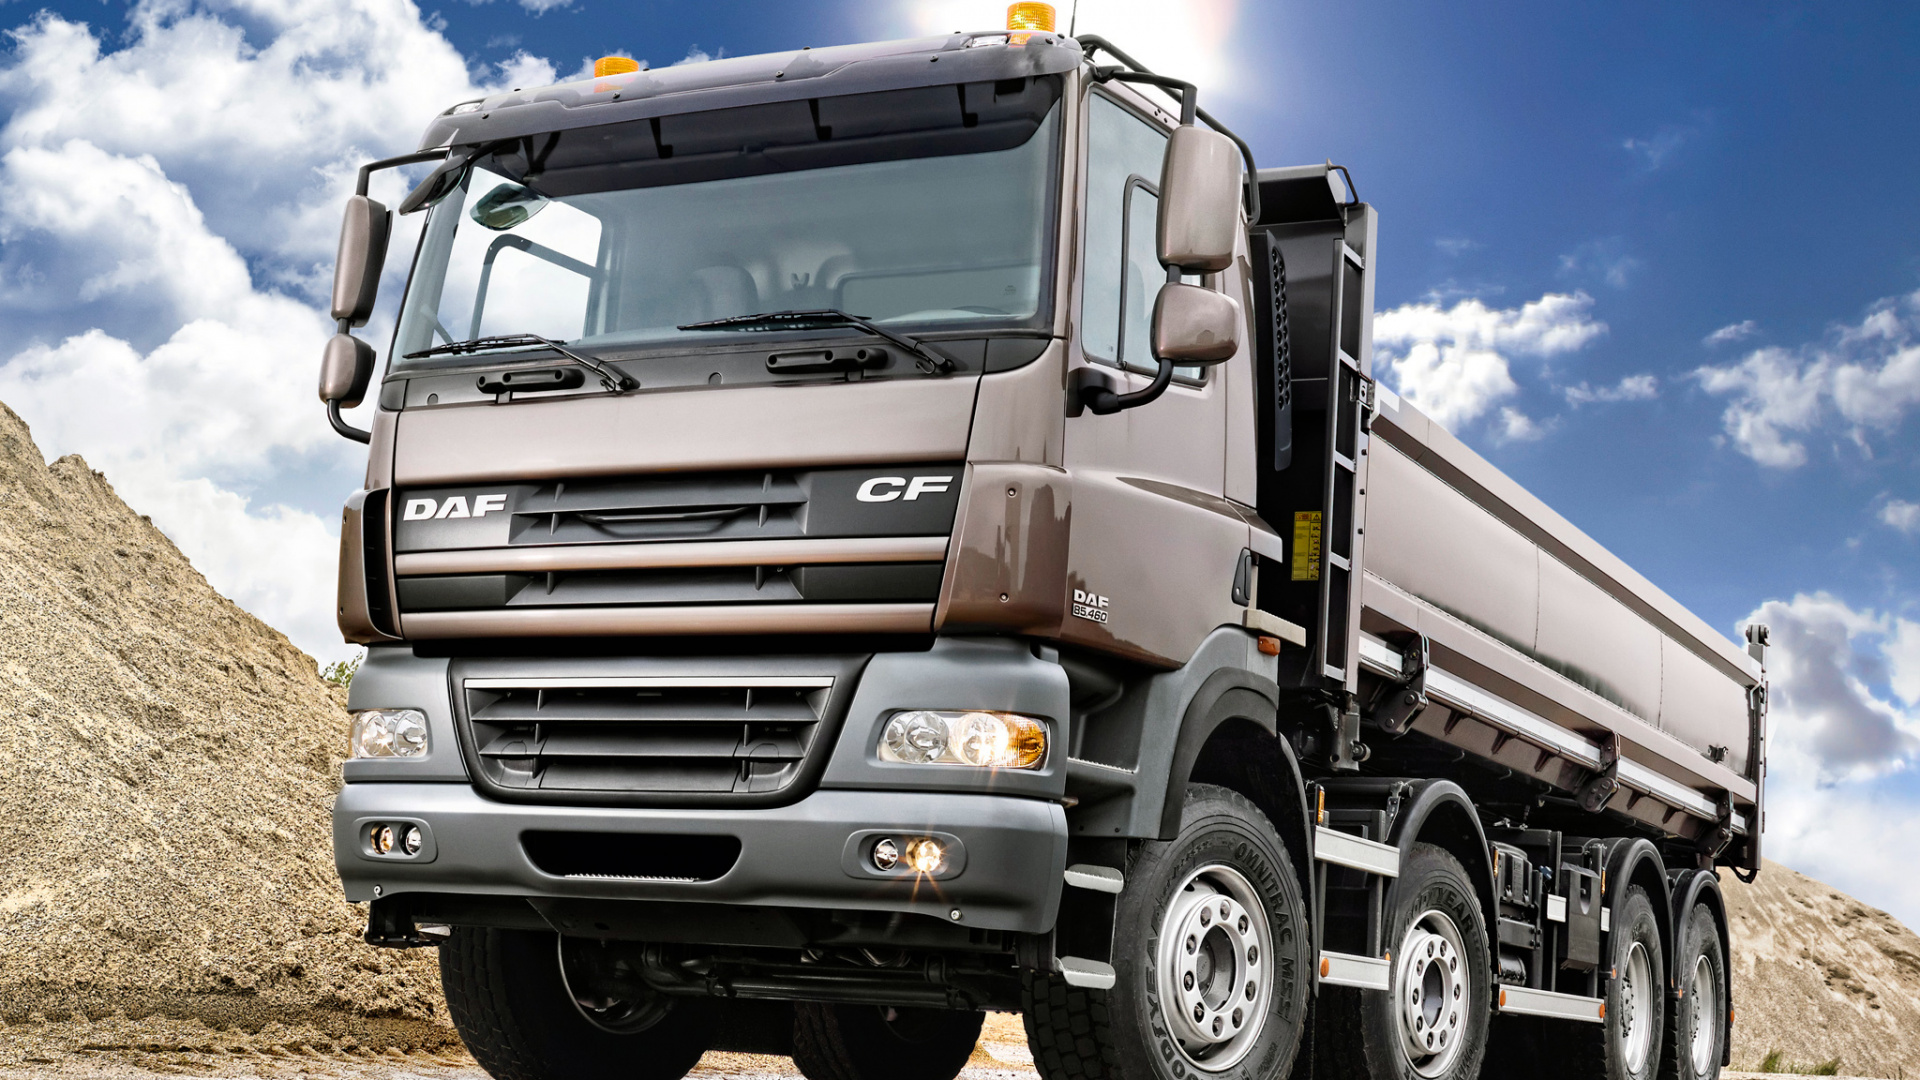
948	230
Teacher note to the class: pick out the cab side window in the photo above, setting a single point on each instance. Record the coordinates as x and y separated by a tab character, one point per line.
1121	272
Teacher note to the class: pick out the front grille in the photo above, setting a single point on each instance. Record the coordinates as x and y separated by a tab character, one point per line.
829	583
656	740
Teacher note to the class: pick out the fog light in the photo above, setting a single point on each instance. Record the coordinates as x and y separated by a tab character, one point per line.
989	740
380	839
411	845
886	855
926	856
386	733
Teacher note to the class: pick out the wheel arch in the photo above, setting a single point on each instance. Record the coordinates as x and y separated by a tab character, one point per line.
1247	757
1440	812
1703	887
1636	861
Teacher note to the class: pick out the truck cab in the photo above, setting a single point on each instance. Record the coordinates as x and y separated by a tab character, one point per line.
860	536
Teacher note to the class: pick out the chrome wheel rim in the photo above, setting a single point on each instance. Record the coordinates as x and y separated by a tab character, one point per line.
1706	1014
1432	986
1215	967
1636	1008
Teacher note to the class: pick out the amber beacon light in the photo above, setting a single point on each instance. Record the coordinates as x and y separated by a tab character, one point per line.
1028	17
614	65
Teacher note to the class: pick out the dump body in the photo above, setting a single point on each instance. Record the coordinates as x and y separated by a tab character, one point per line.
1519	602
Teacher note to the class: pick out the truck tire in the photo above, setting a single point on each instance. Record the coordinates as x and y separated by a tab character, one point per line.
1696	1036
1174	953
507	1000
1626	1046
1432	1023
880	1042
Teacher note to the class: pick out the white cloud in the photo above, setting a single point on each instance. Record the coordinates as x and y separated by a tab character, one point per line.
1902	515
1845	685
1654	150
1631	388
1844	737
1732	332
1862	379
541	7
1516	426
1454	362
168	213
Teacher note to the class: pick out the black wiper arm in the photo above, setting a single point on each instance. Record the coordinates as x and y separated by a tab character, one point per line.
614	381
825	319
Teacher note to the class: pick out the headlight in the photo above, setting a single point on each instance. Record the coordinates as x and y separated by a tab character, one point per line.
384	733
988	740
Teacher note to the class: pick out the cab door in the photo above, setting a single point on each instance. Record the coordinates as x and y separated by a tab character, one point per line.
1154	545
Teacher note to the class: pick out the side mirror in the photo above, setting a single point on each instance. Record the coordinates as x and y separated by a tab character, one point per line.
363	251
1199	200
1192	325
345	370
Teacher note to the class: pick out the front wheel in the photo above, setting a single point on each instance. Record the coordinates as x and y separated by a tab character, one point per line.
1432	1022
882	1042
1211	960
512	1006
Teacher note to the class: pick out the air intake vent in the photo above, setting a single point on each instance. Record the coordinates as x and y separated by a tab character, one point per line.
632	857
643	740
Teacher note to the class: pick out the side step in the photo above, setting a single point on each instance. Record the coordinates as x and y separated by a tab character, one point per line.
1346	849
1365	972
1524	1001
1091	974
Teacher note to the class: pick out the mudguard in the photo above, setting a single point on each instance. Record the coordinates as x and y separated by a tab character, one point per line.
1428	797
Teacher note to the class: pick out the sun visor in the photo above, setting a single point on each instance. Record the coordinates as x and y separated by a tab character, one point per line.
781	136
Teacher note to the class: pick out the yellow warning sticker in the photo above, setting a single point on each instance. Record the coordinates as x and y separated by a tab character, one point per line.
1306	545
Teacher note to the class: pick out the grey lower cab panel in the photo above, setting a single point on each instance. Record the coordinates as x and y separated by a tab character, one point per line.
789	856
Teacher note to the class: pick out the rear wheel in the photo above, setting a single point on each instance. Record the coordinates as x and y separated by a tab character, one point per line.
1210	961
1695	1038
881	1042
1431	1024
510	1003
1627	1045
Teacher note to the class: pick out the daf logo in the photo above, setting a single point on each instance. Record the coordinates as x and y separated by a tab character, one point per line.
889	488
454	507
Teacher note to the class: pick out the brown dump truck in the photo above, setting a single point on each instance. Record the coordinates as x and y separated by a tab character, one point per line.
862	536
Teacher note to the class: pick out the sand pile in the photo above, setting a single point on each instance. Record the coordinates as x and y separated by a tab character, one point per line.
166	766
1818	975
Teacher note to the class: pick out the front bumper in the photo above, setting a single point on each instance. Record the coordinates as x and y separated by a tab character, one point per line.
791	856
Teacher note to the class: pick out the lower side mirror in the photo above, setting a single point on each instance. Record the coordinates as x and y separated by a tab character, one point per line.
1192	325
345	370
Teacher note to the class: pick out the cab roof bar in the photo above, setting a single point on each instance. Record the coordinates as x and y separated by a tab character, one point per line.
1189	108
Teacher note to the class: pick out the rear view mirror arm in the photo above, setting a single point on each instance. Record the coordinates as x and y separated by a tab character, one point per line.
348	364
1093	43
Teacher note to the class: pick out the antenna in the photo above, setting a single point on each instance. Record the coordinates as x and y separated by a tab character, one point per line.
1073	18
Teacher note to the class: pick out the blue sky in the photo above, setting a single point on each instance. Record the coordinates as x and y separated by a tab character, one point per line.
1660	262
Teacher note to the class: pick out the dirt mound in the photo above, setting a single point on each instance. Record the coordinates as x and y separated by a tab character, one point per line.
166	766
1817	975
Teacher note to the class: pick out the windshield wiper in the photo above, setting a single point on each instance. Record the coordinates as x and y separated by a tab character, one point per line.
614	381
825	319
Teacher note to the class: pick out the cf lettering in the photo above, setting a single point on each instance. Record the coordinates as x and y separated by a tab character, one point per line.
927	485
870	491
889	488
